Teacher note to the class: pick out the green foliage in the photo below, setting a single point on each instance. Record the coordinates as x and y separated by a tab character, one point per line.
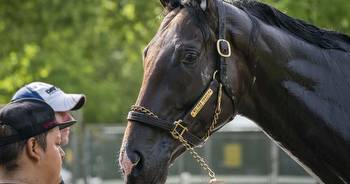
95	46
332	15
86	46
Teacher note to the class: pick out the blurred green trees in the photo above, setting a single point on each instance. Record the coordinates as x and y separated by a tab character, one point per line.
333	15
95	46
87	46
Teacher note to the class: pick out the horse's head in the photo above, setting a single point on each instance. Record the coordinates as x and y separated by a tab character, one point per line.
179	83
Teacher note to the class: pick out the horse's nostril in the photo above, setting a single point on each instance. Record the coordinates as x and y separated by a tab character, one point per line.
136	164
131	163
134	157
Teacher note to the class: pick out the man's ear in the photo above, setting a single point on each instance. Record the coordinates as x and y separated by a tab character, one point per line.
170	4
33	149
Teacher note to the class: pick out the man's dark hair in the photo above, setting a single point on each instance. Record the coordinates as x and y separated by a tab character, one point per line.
9	153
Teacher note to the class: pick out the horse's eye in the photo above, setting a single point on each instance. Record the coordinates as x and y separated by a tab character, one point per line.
190	58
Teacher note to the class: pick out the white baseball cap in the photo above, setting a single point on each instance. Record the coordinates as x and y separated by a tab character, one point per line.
52	95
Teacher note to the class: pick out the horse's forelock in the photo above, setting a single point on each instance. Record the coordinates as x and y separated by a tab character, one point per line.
205	20
170	4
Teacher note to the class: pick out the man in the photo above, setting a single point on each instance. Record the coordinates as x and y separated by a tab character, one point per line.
59	101
30	151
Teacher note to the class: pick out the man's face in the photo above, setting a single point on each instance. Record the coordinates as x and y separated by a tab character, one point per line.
52	156
62	117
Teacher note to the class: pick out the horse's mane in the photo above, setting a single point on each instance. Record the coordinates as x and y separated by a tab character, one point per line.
310	33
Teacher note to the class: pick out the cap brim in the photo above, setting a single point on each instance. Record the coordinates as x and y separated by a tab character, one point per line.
66	124
67	102
81	102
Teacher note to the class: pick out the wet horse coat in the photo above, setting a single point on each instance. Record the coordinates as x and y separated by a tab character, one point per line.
291	78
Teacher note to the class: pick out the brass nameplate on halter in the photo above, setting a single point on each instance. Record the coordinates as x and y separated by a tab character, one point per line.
201	103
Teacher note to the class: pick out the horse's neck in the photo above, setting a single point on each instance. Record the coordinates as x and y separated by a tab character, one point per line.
301	99
299	96
294	75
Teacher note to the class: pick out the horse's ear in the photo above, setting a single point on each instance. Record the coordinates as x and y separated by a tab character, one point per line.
204	4
207	5
210	9
170	4
211	5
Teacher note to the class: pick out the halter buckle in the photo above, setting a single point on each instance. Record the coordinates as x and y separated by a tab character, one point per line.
223	47
178	130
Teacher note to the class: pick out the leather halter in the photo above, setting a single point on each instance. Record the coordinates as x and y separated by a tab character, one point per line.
179	127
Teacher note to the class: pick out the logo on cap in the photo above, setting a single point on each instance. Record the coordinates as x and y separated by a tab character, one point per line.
51	90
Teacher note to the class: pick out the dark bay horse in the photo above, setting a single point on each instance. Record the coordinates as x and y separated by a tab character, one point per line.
290	77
